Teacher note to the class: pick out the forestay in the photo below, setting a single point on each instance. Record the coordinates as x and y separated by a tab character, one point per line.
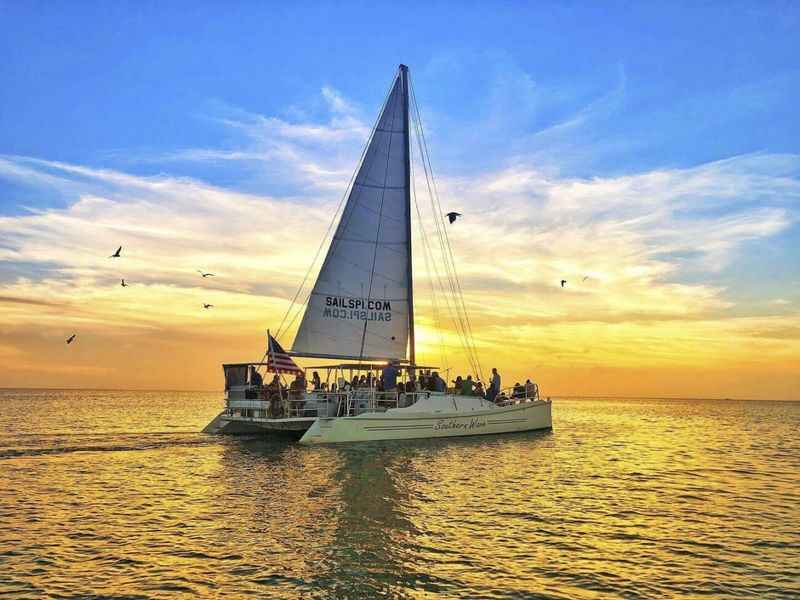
359	306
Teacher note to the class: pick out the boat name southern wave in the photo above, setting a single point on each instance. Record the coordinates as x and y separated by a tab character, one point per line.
473	423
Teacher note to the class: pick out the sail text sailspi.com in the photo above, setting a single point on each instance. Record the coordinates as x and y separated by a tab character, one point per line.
361	309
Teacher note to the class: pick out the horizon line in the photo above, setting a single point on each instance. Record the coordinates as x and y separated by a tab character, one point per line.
566	396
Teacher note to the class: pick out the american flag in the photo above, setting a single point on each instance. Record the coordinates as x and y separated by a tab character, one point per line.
277	359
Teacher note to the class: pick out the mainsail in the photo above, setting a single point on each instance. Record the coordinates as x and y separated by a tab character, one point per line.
361	305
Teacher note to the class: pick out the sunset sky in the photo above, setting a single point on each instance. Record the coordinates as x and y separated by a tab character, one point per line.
653	147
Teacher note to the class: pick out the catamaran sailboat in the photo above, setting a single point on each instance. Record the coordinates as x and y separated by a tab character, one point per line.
361	310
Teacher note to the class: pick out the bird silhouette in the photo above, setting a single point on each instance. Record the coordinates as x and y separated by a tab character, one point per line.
123	284
452	216
585	277
117	253
208	306
563	282
72	337
205	274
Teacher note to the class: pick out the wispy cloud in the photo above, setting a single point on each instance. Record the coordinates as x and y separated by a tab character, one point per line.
631	248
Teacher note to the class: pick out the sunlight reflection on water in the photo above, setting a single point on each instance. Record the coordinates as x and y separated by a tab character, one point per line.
115	494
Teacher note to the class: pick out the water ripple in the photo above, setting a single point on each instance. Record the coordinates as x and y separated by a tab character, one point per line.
114	495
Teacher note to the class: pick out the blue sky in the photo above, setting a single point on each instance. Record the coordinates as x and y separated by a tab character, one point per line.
672	124
670	84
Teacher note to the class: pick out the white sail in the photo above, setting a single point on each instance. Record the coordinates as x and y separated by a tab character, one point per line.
360	304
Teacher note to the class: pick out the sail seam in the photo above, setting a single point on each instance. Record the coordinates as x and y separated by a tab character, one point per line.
380	223
380	187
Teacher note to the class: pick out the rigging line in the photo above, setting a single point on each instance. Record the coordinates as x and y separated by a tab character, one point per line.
457	308
460	330
426	254
347	191
380	223
438	280
470	352
456	319
446	237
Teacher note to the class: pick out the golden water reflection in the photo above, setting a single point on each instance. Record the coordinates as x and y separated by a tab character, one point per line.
638	498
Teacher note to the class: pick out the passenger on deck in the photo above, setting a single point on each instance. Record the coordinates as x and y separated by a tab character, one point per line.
423	381
494	387
316	381
519	390
255	378
530	389
466	386
299	383
437	383
369	379
362	382
389	375
274	388
457	383
479	391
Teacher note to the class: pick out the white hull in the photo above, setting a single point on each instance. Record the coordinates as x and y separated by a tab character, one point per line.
439	417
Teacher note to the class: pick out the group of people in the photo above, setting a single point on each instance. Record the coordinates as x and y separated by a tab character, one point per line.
466	386
387	381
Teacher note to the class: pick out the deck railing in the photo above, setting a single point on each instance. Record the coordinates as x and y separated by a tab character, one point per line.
254	402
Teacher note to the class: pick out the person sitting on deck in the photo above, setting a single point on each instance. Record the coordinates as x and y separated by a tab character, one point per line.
423	381
437	383
530	389
466	386
519	390
457	383
479	391
362	381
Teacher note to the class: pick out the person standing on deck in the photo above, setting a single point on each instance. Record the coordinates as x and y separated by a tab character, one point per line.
466	386
494	388
255	378
389	374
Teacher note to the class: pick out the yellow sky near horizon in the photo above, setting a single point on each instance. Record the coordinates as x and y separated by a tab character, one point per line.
651	318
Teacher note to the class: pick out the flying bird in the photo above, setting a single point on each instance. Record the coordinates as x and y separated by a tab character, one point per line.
208	306
123	284
452	216
70	338
117	253
205	274
585	277
563	282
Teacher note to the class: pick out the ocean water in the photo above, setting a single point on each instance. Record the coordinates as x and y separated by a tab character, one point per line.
115	494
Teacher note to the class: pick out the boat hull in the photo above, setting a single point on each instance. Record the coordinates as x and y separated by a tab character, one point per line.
403	425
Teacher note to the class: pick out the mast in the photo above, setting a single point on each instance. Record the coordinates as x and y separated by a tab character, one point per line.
407	157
